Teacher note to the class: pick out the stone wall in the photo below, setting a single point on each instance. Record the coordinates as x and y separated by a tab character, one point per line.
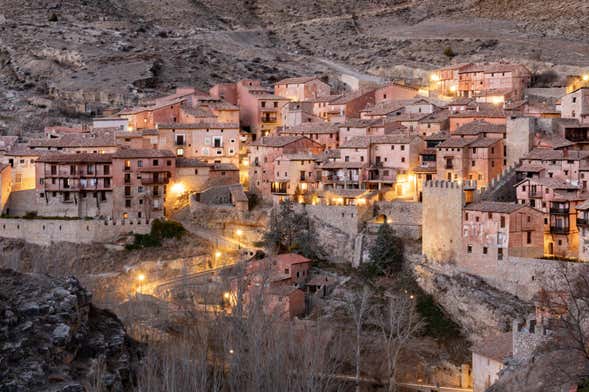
348	219
527	337
47	231
519	138
405	217
519	276
442	214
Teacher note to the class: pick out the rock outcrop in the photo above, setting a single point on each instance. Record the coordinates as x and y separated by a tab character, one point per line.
53	339
480	309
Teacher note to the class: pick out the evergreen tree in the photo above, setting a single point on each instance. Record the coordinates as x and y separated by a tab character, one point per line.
386	254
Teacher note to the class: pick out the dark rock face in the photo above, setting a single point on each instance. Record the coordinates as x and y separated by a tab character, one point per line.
53	339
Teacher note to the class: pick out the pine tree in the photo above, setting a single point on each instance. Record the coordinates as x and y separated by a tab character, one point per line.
386	254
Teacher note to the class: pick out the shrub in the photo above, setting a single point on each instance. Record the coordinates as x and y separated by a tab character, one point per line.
448	52
53	17
160	229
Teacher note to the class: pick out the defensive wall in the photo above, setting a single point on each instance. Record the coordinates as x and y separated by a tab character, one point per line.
46	231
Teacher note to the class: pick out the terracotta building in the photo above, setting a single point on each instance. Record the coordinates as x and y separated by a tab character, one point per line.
576	105
490	113
209	142
460	158
302	88
263	152
294	177
493	231
324	133
493	80
558	200
141	179
394	91
100	143
74	185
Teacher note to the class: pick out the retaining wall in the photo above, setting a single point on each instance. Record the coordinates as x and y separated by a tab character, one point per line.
46	231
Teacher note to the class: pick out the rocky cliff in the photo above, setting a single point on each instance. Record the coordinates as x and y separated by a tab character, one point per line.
60	58
480	309
53	339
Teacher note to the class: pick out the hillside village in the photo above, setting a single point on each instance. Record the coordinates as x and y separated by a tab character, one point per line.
482	171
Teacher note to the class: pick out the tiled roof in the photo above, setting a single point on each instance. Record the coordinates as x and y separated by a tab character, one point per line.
291	258
326	98
342	165
583	206
313	127
530	168
276	141
494	206
197	111
461	101
76	140
203	125
23	150
190	162
224	167
484	142
479	126
382	109
553	183
436	117
437	136
495	347
547	154
455	142
76	158
484	110
492	67
356	142
350	97
360	123
399	138
218	105
297	157
297	80
143	153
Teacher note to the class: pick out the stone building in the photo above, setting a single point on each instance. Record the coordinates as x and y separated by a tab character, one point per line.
490	113
442	221
493	80
394	91
22	161
97	143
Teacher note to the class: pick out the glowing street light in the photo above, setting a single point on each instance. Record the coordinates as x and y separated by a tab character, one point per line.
238	233
178	188
585	77
141	278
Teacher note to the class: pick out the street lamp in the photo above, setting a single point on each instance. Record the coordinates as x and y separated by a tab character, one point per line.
239	233
141	278
217	256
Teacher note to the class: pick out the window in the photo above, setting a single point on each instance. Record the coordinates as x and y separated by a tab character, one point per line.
502	222
66	196
156	162
347	158
140	189
490	215
53	170
196	172
140	163
127	164
402	159
469	249
402	147
41	195
106	170
466	216
263	104
107	182
128	203
528	237
179	152
499	253
485	250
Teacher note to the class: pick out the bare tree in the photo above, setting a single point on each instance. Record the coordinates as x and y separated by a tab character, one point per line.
357	305
398	322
